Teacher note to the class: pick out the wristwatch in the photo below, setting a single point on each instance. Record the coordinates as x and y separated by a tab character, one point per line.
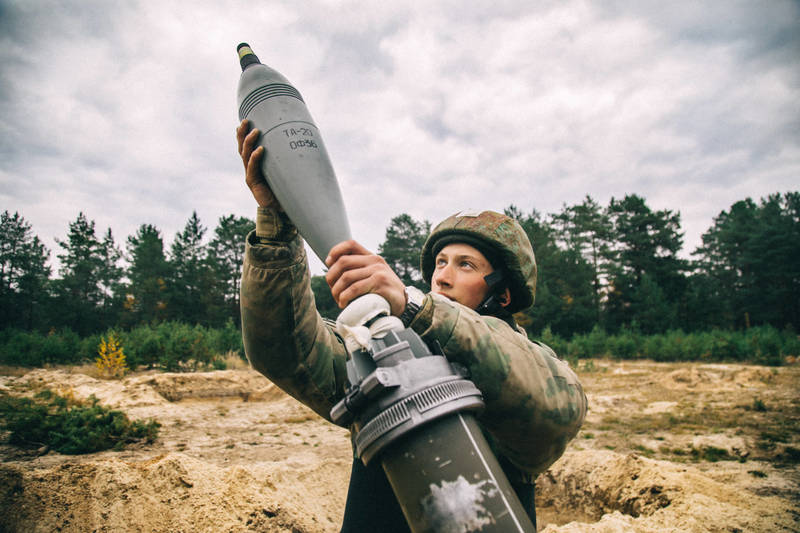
414	300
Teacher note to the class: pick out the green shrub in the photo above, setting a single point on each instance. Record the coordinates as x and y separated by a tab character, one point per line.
144	346
791	342
766	344
557	343
725	346
179	342
672	345
70	427
175	346
625	345
226	339
597	342
21	348
711	454
653	347
61	348
88	346
696	347
592	344
179	346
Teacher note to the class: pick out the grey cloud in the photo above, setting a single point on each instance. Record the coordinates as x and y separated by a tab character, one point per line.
425	108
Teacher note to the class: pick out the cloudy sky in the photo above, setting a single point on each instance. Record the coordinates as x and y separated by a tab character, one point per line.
126	110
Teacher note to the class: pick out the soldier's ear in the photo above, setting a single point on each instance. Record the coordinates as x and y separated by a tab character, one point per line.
505	297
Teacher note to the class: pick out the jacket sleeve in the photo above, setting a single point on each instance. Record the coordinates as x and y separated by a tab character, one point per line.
284	337
534	402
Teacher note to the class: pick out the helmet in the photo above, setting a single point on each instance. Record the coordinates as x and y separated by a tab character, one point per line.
504	240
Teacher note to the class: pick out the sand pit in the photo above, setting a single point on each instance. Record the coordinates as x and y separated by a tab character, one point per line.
236	454
616	492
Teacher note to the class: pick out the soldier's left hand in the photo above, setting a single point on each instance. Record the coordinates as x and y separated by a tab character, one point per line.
355	271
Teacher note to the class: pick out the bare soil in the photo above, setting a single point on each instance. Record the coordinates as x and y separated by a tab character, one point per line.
666	447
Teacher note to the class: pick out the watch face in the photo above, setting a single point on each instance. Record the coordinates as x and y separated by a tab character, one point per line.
415	296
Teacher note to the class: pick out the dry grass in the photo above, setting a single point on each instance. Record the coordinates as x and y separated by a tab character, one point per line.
13	371
755	406
233	361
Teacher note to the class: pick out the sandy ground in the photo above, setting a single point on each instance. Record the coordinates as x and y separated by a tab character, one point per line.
236	454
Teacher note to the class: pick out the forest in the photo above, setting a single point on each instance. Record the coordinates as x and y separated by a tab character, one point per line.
612	280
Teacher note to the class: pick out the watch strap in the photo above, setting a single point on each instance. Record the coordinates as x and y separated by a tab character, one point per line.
414	300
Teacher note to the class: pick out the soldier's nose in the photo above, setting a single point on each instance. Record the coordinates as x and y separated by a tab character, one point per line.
441	277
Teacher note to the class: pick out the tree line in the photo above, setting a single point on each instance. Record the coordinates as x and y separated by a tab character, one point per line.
100	286
615	267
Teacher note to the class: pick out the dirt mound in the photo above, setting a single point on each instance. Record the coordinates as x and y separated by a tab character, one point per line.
172	493
607	491
153	389
235	453
717	377
221	384
125	394
601	491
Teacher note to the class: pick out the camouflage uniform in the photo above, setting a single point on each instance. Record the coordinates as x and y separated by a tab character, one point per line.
534	402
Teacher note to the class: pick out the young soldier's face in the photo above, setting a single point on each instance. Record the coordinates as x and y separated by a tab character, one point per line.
459	273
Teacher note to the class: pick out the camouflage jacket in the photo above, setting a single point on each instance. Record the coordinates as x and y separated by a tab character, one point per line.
534	402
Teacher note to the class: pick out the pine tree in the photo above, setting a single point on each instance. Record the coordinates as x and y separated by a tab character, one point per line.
194	294
564	293
750	261
226	252
110	278
586	228
323	299
645	243
148	270
79	292
24	273
401	248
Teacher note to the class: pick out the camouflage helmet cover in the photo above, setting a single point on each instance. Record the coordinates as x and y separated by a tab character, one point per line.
500	233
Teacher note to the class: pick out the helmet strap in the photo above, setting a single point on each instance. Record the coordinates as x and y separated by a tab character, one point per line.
491	304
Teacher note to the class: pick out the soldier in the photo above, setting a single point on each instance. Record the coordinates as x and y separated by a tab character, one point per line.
481	269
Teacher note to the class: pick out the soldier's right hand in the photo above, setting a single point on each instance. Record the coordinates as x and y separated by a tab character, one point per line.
251	158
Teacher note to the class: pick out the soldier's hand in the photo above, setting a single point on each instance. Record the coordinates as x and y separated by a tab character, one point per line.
247	138
355	271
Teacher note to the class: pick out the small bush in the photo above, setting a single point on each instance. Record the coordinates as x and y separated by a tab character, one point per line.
727	346
111	358
21	348
672	346
711	454
624	346
696	347
60	348
653	348
592	344
791	343
791	454
766	344
70	427
557	343
144	346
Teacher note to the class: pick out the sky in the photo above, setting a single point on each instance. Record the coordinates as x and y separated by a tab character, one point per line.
126	111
